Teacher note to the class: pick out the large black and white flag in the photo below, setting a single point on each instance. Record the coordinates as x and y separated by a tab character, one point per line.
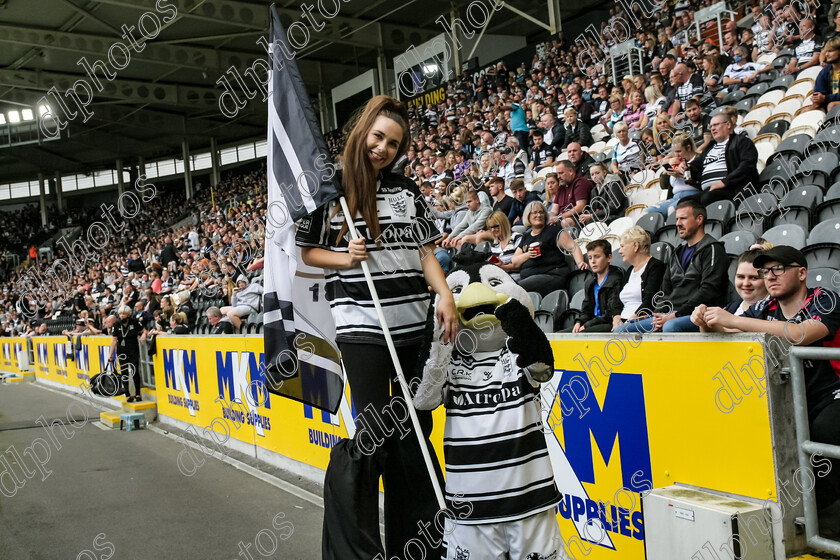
302	359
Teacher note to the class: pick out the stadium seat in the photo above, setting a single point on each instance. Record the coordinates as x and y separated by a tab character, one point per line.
662	251
830	207
775	171
568	318
483	247
787	234
781	83
808	123
827	139
721	211
810	73
536	299
771	97
780	61
733	97
715	229
619	226
792	145
651	222
736	242
551	308
832	117
822	277
765	146
618	260
785	110
818	169
797	207
776	127
823	247
668	234
755	119
577	280
757	90
671	220
744	106
803	87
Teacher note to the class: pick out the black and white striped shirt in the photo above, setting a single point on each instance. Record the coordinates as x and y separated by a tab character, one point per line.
395	264
714	166
496	455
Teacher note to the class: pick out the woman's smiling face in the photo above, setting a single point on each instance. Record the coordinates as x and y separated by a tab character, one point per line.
383	142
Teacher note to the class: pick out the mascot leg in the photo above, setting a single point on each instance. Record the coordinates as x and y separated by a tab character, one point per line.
537	538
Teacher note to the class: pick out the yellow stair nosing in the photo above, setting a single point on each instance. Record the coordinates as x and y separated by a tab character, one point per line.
143	405
110	416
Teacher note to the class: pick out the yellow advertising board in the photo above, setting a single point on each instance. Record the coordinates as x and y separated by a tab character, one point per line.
13	355
643	415
218	383
621	417
75	367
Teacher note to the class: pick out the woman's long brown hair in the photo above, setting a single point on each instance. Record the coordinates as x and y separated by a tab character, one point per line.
359	177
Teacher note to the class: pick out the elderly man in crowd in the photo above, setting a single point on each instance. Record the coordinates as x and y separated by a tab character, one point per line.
726	166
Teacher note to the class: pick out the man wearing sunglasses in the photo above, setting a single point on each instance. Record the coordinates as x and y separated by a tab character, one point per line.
805	317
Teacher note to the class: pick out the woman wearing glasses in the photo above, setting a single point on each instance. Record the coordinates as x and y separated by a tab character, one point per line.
539	258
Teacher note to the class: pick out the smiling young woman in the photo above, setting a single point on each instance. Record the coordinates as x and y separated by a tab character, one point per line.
397	241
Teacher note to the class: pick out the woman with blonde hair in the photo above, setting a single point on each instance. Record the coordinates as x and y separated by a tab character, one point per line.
642	280
663	134
655	104
503	241
379	135
485	167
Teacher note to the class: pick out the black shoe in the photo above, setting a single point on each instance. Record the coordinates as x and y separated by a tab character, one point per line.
138	398
129	399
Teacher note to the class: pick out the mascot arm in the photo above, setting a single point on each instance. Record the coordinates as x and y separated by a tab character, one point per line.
430	392
526	340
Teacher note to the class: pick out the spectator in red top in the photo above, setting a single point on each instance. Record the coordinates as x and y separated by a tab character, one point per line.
572	196
806	317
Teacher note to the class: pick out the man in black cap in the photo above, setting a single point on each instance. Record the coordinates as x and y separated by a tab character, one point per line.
806	317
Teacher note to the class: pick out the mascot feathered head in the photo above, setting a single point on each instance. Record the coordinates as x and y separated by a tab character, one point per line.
493	311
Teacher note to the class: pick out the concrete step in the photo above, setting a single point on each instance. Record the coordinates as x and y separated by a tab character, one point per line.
110	419
148	394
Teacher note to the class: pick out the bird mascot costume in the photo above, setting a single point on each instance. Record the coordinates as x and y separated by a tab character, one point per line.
500	491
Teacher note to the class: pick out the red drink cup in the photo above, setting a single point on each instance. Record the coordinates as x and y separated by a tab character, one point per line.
535	247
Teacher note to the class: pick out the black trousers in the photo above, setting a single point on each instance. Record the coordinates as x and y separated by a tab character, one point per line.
825	428
726	193
409	496
130	368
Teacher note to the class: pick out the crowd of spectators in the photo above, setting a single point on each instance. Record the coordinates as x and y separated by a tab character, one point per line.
163	273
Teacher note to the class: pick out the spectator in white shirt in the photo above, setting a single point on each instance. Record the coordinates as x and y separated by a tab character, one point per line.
807	51
740	74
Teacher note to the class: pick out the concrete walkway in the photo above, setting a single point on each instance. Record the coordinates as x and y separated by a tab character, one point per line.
121	495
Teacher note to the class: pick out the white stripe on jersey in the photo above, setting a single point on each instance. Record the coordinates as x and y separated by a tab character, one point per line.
395	264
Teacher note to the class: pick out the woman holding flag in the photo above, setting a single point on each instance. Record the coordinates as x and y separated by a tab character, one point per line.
397	241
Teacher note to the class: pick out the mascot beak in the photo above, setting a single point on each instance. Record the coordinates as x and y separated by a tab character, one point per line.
477	305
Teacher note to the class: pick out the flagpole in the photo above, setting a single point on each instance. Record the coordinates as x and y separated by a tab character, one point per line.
415	421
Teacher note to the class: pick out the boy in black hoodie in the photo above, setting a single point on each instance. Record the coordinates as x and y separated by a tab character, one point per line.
601	303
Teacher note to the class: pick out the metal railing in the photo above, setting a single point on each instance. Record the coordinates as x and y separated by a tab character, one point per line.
147	366
806	447
626	59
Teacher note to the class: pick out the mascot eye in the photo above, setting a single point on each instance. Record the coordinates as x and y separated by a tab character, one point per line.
495	282
456	290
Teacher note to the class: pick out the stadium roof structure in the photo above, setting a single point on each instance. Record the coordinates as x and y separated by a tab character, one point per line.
155	94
